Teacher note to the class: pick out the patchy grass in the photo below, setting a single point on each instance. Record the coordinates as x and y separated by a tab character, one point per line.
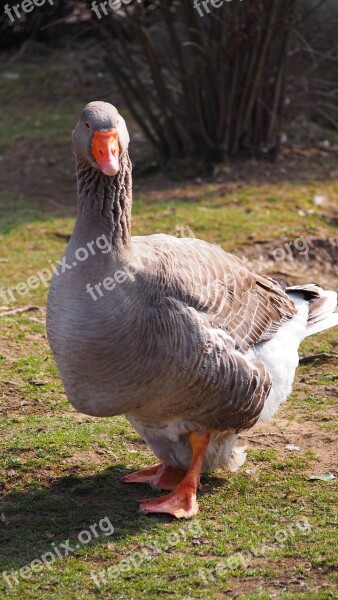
35	236
60	471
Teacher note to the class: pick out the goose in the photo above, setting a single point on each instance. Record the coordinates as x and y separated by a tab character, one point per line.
181	337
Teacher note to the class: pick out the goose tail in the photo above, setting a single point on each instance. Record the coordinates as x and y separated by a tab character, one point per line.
322	306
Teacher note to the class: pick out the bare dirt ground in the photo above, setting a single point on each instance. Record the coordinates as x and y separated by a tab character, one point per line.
306	436
319	257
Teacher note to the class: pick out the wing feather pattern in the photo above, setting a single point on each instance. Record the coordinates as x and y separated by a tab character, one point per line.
248	306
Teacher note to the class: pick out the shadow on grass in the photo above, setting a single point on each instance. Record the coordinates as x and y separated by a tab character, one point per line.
33	520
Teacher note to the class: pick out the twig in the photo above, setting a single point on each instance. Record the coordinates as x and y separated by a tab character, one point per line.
263	435
320	356
5	310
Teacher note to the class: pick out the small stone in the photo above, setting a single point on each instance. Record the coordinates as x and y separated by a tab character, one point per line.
37	382
292	448
319	200
10	75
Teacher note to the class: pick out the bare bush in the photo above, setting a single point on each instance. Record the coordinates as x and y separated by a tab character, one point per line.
312	81
203	87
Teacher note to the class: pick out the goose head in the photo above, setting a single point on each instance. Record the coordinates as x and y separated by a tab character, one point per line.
101	137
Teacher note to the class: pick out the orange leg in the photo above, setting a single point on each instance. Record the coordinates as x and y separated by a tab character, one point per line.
182	501
159	476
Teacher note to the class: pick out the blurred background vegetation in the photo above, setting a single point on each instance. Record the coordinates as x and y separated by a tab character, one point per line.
227	84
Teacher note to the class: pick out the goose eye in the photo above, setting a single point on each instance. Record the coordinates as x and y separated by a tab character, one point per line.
87	125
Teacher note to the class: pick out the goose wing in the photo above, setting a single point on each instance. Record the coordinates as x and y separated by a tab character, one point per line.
248	306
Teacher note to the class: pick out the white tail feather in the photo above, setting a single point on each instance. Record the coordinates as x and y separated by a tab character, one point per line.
319	326
322	304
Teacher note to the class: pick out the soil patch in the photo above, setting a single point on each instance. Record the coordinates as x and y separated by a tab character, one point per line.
302	260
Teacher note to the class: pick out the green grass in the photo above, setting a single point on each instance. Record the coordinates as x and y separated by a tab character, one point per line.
60	472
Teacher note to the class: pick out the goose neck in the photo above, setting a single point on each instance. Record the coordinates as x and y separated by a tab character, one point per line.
104	203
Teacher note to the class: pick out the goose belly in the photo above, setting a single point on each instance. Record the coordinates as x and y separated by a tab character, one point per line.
170	443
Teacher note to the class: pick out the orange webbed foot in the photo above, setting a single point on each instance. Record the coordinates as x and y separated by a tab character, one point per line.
142	476
181	503
159	476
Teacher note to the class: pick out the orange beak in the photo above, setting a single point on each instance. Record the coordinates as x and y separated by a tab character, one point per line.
106	151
